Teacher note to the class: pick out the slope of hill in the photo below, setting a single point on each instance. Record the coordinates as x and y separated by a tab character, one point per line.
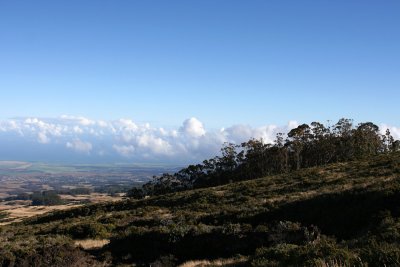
344	214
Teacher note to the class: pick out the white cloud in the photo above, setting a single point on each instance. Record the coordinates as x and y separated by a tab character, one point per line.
102	123
193	127
79	119
124	150
241	133
79	146
128	139
77	129
127	124
293	124
154	144
10	125
394	131
43	138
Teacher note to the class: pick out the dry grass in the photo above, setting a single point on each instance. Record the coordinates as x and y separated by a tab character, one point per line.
19	212
218	262
164	214
219	193
93	198
47	187
92	243
332	263
21	209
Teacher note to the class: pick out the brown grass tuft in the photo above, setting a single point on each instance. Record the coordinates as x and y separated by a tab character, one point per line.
92	243
218	262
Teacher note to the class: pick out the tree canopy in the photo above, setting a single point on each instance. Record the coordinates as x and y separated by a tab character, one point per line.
303	147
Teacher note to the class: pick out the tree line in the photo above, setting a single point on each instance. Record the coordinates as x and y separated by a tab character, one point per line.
303	147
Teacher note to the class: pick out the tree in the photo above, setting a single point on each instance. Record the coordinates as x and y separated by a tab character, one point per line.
367	140
136	193
343	139
323	146
387	140
396	145
299	137
228	161
281	154
305	146
254	163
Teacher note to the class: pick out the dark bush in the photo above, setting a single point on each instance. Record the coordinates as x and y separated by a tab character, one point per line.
44	251
322	253
92	230
46	198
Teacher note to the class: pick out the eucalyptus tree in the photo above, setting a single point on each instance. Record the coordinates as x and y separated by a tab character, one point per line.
323	144
298	141
343	132
367	140
387	141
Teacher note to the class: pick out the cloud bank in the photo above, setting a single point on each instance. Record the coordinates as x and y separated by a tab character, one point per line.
84	139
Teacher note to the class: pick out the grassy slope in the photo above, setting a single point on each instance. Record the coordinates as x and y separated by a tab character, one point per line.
343	200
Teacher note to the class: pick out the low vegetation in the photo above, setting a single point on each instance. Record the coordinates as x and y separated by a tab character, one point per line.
46	198
4	216
39	198
344	213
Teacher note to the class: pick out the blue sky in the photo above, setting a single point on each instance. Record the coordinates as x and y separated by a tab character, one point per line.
223	62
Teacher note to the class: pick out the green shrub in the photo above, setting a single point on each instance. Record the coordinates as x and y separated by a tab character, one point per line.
380	253
85	230
43	251
312	254
4	215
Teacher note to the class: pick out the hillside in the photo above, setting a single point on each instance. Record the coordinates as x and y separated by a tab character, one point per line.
341	214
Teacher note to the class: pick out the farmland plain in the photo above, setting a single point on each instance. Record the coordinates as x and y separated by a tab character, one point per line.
75	184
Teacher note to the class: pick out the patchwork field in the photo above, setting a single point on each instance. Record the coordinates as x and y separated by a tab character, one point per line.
18	210
75	184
